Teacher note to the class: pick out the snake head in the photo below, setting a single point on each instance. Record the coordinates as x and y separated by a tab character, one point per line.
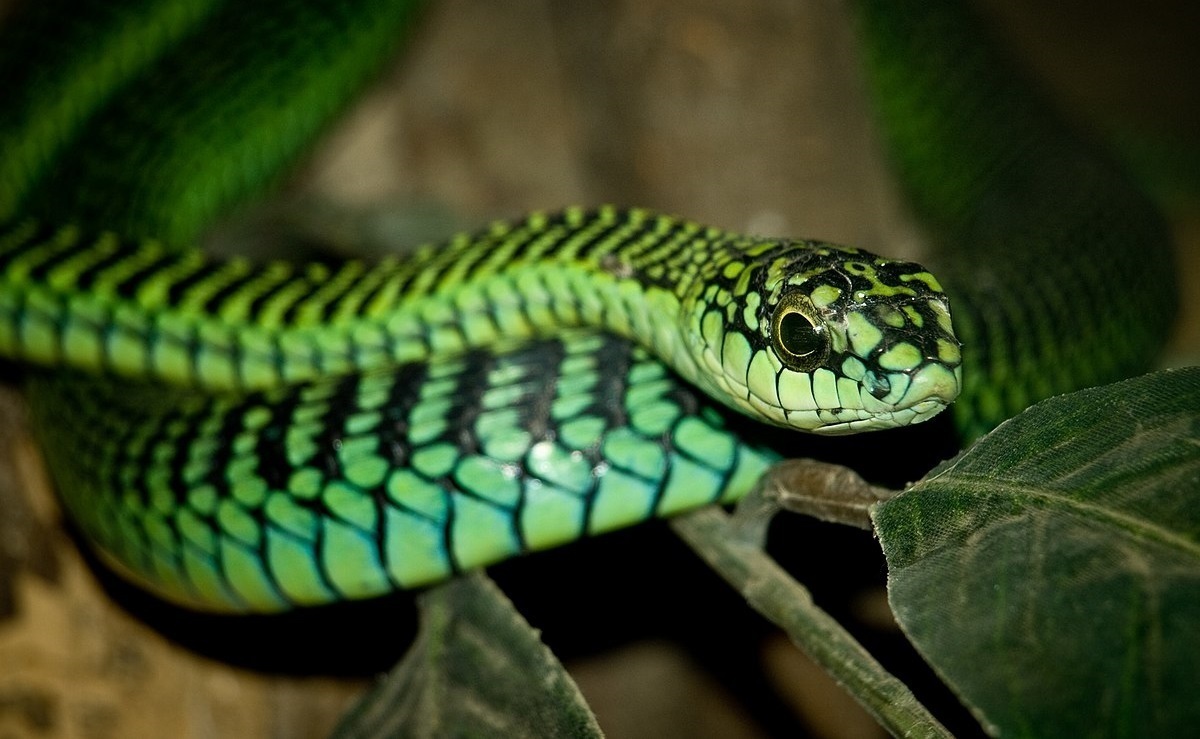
829	339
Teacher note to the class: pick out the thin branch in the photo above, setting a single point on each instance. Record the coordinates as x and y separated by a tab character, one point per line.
773	593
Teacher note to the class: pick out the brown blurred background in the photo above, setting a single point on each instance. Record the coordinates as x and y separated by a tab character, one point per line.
747	115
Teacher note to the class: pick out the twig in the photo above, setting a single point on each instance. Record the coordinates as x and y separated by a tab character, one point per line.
773	593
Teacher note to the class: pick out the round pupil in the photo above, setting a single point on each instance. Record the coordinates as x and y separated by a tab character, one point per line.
798	336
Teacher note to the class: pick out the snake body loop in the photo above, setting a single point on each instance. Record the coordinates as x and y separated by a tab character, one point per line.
256	437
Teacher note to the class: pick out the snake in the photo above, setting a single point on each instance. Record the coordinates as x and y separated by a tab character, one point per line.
246	436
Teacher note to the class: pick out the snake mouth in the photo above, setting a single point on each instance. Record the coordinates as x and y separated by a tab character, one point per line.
918	412
918	397
923	395
922	411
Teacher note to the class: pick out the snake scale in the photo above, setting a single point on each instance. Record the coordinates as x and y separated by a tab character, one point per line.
254	437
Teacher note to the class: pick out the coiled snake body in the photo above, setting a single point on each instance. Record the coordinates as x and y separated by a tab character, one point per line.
242	436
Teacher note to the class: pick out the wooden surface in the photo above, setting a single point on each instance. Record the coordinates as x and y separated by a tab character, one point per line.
745	115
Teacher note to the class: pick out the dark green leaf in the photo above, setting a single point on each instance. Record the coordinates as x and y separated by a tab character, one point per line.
1051	573
476	669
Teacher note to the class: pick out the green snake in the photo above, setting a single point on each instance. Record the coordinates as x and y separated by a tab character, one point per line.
248	436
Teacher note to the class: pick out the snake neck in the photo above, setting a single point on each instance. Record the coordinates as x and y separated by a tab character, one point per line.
707	303
108	305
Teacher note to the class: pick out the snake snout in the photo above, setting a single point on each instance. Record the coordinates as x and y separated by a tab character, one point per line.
933	384
934	362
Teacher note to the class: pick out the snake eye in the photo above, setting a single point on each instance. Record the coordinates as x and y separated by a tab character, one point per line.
800	338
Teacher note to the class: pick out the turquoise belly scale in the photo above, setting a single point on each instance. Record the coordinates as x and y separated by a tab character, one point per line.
390	479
